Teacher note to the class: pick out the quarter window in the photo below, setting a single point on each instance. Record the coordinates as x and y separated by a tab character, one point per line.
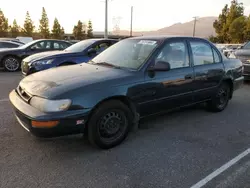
216	56
202	53
175	53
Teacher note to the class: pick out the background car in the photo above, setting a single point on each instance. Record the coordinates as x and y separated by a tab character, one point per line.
9	44
10	59
244	55
77	53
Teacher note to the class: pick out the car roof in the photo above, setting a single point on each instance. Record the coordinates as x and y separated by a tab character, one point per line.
100	39
163	37
51	40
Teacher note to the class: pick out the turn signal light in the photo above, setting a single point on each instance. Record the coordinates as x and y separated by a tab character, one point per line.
44	124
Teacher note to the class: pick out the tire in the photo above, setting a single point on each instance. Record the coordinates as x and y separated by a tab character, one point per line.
11	64
220	101
101	124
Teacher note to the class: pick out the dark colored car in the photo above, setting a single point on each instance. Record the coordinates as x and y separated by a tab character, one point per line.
10	59
9	44
132	79
77	53
244	55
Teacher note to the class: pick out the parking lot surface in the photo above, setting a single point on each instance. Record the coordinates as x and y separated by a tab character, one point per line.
172	150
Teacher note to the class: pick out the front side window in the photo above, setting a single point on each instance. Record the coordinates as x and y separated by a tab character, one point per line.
42	45
128	53
101	47
202	53
174	53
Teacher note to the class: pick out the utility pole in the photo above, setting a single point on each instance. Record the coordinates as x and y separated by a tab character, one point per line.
195	20
131	22
106	19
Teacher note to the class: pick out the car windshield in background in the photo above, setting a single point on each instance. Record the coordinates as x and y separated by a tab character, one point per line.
28	44
247	46
130	53
79	46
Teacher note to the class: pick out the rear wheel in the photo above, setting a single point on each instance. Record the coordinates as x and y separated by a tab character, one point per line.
11	64
220	101
109	124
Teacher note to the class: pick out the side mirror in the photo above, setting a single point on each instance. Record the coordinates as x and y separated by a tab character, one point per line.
240	47
160	66
91	51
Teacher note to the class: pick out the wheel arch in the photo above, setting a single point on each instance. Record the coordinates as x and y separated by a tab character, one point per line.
125	100
229	81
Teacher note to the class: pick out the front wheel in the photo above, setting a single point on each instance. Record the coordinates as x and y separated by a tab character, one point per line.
109	124
11	64
220	101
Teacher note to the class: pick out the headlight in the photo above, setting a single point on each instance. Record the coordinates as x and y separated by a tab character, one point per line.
43	62
46	105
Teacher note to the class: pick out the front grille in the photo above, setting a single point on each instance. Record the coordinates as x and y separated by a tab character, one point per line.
23	94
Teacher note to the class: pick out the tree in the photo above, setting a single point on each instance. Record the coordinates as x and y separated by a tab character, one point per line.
236	10
78	31
214	39
247	29
220	24
57	31
44	25
28	26
226	18
236	30
90	30
14	29
4	26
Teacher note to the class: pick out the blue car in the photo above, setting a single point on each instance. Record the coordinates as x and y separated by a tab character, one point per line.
80	52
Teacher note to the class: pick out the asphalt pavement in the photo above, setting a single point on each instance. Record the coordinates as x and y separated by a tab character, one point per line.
172	150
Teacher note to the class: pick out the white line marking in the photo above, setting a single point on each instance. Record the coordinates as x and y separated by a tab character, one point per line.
4	100
221	169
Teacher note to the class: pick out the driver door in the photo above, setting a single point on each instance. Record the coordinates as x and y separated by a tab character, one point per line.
169	89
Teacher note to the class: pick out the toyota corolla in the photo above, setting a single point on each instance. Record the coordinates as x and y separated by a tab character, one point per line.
132	79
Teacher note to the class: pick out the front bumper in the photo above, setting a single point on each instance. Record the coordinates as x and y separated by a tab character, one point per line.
70	122
238	82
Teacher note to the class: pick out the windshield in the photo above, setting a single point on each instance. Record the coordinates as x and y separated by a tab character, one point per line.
247	46
28	44
79	46
130	53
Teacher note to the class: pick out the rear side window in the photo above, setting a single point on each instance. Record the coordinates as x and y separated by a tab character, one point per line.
202	53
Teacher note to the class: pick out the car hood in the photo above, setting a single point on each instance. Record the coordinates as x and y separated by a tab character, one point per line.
242	52
57	81
45	55
2	50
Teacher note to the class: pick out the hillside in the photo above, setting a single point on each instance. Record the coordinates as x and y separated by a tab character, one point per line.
204	28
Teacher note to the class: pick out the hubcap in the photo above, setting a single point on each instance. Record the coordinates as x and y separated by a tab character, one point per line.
11	64
112	125
222	97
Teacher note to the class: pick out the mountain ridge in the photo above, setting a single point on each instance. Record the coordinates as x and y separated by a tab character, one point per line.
204	28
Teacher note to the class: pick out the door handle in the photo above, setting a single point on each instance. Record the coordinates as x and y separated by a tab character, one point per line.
188	77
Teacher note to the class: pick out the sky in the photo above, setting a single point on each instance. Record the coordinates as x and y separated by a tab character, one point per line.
147	14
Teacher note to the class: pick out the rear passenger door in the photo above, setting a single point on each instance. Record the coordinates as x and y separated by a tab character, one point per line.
208	68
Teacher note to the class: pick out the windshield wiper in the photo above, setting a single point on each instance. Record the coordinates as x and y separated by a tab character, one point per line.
106	64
